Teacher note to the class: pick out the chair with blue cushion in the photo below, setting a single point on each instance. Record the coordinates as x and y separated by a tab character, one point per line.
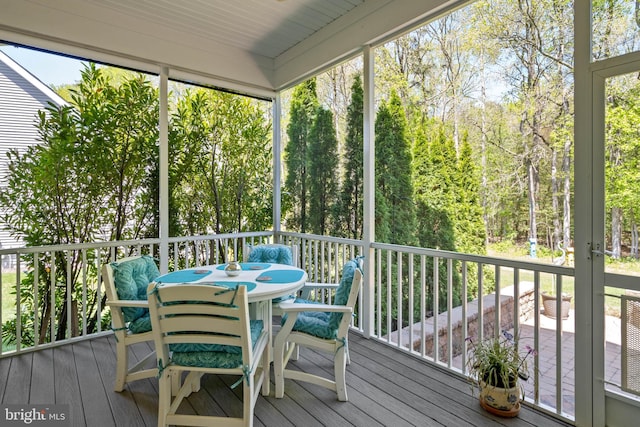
205	329
320	326
126	284
274	254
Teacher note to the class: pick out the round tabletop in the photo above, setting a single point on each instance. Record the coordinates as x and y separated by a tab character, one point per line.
264	281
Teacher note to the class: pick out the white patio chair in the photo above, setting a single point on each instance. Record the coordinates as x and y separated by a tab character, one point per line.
205	329
126	284
320	326
274	254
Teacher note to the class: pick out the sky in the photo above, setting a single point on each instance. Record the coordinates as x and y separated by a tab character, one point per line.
48	68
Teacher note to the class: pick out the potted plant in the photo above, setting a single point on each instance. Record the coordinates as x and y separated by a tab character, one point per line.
495	366
550	305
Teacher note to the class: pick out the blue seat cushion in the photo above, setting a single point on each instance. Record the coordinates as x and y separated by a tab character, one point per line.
140	325
207	359
256	327
275	254
131	279
314	323
213	355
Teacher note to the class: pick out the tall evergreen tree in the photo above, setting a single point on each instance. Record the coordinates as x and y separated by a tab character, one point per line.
349	211
433	191
323	171
394	198
303	107
469	225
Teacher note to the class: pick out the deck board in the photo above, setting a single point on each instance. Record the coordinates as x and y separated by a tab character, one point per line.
386	387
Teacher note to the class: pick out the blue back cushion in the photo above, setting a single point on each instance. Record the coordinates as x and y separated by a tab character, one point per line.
325	325
276	254
343	291
131	279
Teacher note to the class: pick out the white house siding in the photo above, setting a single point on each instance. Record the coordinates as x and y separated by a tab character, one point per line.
21	96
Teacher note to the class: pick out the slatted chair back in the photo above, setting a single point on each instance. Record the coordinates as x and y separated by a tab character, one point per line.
206	329
125	284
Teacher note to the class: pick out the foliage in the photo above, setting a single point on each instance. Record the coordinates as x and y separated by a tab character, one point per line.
84	182
349	211
469	225
220	172
395	205
94	176
622	157
323	168
433	166
304	105
498	361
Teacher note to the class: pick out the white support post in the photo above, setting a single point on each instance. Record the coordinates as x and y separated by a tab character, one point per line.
369	191
277	165
164	169
589	340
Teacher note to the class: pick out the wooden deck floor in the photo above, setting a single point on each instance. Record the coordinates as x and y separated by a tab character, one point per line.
385	388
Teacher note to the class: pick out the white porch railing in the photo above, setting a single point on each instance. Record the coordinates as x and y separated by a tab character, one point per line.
477	297
410	314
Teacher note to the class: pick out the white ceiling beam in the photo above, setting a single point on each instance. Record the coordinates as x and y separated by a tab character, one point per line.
80	28
371	23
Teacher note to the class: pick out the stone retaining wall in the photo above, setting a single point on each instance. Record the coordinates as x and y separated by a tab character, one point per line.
414	332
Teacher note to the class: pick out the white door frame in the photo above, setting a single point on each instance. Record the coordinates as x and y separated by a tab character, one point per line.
594	405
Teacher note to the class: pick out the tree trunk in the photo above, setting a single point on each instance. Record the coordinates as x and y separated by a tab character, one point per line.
483	145
566	211
555	203
532	187
616	231
634	239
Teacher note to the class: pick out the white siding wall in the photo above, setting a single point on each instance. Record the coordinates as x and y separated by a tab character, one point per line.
21	96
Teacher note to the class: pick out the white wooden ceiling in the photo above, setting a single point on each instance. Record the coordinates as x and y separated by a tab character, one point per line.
259	46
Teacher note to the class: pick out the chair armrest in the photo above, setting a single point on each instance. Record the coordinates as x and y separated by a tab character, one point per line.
288	307
129	303
314	285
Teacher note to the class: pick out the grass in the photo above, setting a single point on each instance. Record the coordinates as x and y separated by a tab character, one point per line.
8	296
628	266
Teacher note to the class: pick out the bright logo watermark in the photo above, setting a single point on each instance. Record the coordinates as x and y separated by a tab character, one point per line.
35	415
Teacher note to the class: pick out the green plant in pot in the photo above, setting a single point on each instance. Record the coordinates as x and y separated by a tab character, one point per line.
495	366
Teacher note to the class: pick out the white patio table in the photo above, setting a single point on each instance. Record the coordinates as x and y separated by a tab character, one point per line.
264	282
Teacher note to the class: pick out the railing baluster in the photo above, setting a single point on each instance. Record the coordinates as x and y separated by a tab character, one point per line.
465	332
449	311
423	303
497	316
480	325
411	309
436	308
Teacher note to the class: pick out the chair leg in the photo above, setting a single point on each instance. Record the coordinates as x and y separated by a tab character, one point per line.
348	356
340	374
164	398
122	364
247	401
